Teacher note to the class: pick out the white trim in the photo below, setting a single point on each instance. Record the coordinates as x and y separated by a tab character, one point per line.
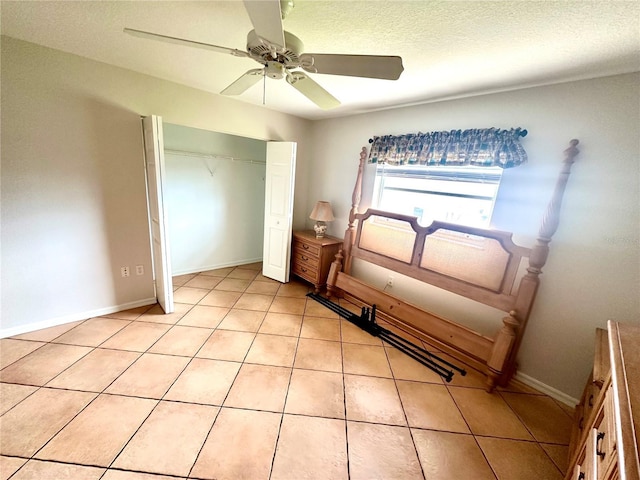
53	322
546	389
235	263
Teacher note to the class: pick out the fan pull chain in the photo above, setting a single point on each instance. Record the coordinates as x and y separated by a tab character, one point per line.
264	89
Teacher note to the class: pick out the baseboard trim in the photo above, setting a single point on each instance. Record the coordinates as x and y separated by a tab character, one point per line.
236	263
546	389
74	317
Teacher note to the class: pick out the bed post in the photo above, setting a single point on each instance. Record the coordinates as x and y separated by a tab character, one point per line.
538	258
336	266
343	257
355	202
502	347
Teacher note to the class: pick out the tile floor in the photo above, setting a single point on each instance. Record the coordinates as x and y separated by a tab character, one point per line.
249	379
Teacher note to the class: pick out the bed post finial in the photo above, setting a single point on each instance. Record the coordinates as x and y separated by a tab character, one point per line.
355	202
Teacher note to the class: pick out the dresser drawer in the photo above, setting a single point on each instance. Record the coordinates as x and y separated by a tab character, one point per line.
605	431
584	410
604	440
592	392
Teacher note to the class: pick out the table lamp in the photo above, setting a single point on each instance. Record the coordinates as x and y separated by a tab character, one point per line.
321	213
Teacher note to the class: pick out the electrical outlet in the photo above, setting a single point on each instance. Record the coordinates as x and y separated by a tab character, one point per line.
124	271
139	269
390	281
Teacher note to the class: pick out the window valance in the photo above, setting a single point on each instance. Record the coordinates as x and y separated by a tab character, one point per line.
477	147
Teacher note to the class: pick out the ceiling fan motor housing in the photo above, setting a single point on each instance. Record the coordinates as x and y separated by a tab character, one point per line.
263	52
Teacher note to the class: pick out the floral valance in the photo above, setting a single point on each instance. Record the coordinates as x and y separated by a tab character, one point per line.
478	147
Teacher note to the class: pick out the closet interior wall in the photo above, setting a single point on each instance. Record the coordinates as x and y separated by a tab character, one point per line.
214	193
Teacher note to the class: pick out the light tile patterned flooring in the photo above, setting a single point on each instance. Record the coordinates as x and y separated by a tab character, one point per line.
249	379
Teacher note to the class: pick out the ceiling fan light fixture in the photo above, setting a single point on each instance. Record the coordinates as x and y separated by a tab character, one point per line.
274	70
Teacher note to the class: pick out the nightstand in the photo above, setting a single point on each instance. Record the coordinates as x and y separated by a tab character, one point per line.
311	257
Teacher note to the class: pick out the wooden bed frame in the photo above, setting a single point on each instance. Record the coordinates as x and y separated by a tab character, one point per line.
480	264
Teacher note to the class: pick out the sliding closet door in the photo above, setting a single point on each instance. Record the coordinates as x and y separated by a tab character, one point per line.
278	209
154	163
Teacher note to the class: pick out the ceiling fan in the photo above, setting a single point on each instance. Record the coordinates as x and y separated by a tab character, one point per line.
281	55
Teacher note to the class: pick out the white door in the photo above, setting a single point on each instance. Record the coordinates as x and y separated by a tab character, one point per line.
278	209
154	162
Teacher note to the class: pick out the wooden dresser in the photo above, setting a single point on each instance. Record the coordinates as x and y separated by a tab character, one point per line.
604	441
311	257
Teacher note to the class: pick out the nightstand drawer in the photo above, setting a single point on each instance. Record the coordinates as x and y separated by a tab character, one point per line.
305	258
307	272
304	247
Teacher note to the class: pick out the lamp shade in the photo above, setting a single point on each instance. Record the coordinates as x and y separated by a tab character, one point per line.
322	212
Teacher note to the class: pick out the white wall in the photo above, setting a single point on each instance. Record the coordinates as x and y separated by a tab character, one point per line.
593	271
73	205
215	205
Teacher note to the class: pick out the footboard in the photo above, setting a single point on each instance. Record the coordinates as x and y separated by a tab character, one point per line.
480	264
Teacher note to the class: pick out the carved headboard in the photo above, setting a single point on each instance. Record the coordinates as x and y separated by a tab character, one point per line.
483	265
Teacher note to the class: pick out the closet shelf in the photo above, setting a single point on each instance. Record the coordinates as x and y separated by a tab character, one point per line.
213	156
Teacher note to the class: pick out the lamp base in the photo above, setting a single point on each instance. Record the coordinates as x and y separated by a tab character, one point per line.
320	229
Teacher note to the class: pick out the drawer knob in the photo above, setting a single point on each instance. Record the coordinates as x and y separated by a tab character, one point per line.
591	400
303	269
599	452
306	247
304	258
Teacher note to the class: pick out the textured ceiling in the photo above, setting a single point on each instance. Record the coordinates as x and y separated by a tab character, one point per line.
449	48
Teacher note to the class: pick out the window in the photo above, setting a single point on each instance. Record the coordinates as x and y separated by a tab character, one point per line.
457	194
451	176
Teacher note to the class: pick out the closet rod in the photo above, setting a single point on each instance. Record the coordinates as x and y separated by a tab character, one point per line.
213	155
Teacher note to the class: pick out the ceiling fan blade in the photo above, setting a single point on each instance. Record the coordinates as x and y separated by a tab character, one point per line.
266	18
182	41
312	90
243	83
368	66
